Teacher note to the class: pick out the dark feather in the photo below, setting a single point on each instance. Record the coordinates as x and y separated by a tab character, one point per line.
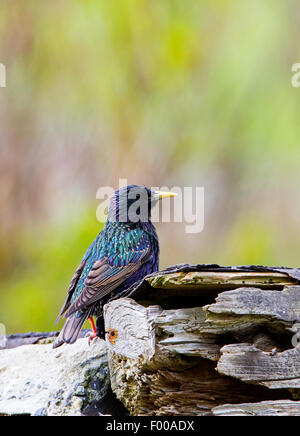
71	288
72	328
103	278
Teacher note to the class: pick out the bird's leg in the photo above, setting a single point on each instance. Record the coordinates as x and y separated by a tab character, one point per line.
92	335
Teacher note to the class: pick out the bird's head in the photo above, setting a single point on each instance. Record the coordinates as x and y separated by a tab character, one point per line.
133	203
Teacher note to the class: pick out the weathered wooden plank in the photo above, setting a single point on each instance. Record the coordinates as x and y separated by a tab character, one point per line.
171	280
249	364
182	331
264	408
246	308
281	306
200	280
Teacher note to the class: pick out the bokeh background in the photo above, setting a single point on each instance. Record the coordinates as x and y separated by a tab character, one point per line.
163	93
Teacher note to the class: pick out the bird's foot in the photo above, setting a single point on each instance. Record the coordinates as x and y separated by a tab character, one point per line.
92	335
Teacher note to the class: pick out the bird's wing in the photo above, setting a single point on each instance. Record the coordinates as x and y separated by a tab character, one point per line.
104	276
71	288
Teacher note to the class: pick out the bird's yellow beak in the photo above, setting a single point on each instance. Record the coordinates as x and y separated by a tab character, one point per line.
163	194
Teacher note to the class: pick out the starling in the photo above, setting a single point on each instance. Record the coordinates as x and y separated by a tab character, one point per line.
124	252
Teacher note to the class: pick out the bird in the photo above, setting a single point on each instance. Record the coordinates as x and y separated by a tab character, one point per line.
125	251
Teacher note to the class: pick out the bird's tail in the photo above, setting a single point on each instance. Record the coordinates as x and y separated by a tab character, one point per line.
72	327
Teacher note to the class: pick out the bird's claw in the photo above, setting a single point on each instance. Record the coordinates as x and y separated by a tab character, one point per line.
91	336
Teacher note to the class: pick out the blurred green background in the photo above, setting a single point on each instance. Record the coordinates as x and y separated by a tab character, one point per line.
163	93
